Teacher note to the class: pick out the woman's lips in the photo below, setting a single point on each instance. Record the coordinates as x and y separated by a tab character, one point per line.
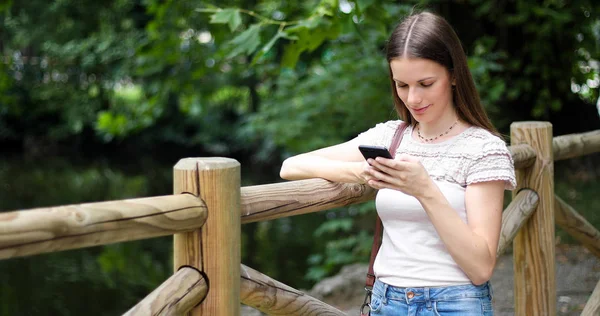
421	110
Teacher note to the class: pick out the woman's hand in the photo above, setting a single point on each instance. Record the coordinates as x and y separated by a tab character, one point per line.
405	174
361	172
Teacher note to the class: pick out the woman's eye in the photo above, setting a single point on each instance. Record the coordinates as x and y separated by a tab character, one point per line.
426	84
401	85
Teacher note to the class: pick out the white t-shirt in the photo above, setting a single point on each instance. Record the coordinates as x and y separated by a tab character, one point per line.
412	253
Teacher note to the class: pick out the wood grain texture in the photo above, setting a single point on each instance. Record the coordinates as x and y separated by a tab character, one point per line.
176	296
515	216
592	307
275	298
575	145
216	249
84	225
523	155
577	226
534	245
271	201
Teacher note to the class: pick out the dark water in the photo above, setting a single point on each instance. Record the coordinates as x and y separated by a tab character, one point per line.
93	281
108	280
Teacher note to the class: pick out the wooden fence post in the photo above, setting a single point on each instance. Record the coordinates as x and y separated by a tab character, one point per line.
534	246
216	248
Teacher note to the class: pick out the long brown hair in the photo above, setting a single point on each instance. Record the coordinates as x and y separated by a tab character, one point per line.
429	36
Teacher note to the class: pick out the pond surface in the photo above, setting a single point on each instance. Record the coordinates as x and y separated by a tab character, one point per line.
108	280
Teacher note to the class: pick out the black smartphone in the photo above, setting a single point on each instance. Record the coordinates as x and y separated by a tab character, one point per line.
369	151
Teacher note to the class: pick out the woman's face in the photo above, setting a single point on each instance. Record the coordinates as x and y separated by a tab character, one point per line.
424	86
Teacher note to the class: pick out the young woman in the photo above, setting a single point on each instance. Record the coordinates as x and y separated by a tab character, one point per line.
441	198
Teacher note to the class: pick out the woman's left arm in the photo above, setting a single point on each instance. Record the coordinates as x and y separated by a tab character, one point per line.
472	245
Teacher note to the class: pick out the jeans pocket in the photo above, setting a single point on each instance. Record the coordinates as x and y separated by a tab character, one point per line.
376	302
458	307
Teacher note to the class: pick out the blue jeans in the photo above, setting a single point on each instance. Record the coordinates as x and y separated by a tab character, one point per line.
464	300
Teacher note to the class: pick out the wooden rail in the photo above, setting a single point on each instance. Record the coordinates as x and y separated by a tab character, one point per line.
575	145
275	298
84	225
592	307
176	296
271	201
523	155
515	216
577	226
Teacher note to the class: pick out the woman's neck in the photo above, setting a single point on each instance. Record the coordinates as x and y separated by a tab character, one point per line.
443	125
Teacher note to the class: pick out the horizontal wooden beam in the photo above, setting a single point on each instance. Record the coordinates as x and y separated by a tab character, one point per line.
275	298
523	155
54	229
515	216
577	226
575	145
270	201
176	296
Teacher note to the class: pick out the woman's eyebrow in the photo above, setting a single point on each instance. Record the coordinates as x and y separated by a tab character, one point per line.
420	80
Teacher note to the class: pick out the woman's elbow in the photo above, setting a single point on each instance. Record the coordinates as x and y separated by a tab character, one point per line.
483	275
286	171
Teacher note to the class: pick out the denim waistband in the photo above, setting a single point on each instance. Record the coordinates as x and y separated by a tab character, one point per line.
427	294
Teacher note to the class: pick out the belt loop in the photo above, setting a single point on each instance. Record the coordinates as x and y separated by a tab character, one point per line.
427	299
385	290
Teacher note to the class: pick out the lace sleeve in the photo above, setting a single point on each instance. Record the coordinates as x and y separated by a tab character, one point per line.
492	164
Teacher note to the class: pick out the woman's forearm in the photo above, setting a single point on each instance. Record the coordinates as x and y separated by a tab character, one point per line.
470	251
307	166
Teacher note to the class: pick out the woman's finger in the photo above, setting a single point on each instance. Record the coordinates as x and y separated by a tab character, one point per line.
382	176
405	157
395	163
382	185
383	167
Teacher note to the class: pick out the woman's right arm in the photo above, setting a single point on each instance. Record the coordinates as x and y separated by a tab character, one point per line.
338	163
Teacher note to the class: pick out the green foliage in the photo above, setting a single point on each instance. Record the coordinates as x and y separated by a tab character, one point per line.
348	236
64	59
305	34
129	113
229	16
535	35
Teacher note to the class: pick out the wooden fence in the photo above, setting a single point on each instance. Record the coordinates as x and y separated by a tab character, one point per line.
209	205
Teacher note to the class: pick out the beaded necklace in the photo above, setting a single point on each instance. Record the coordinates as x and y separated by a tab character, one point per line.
427	140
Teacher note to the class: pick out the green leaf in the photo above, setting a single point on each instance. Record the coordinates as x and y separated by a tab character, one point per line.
364	4
229	16
326	8
308	40
333	226
246	42
6	5
309	23
270	44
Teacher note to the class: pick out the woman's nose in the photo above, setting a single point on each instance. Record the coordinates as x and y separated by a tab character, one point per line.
413	97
